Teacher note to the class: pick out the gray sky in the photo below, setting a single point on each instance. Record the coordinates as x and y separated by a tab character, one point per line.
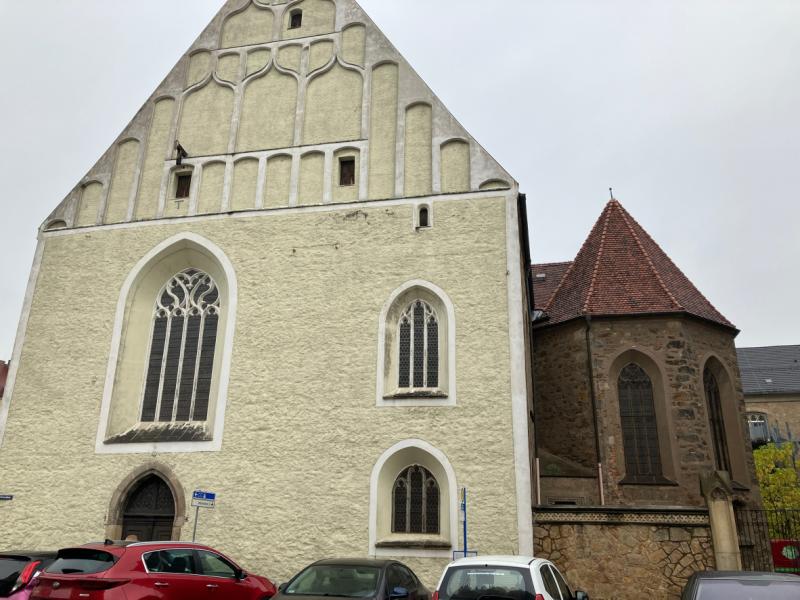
690	109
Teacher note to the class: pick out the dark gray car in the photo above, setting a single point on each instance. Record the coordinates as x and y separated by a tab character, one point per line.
741	585
367	579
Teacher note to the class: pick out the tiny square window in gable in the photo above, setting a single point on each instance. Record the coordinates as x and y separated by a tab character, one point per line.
347	171
296	19
183	185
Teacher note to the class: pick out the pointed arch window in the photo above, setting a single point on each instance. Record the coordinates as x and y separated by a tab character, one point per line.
182	345
719	440
419	347
639	425
415	502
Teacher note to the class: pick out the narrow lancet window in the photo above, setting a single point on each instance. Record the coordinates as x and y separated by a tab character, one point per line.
296	19
181	358
419	347
716	422
639	427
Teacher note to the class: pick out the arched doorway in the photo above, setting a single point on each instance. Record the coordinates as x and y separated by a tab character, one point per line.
149	511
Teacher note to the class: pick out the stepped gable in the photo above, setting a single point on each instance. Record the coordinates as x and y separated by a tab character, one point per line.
266	102
620	270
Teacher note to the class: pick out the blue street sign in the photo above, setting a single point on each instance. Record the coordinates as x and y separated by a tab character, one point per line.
201	499
6	497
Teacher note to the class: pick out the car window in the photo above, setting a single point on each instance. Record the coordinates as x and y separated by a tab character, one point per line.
10	570
335	580
407	577
394	578
550	585
474	582
81	560
726	589
171	561
566	593
214	565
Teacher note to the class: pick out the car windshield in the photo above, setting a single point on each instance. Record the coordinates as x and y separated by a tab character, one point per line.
726	589
335	580
81	560
475	583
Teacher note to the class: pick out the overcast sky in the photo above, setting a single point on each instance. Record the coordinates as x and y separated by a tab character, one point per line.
690	109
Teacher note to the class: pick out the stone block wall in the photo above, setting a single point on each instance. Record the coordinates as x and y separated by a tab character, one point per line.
674	351
626	556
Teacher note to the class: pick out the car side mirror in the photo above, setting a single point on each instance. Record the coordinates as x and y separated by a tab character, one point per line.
240	575
579	595
399	593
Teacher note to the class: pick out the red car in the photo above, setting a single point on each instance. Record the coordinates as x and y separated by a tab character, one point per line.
148	571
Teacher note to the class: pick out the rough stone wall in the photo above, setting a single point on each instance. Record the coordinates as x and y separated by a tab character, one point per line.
782	410
564	420
626	562
679	347
302	430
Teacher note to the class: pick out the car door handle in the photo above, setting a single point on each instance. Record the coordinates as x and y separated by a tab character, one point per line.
161	584
212	585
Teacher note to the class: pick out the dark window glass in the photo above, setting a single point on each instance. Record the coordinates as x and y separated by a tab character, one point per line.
479	581
296	19
179	560
759	429
183	185
184	336
419	347
335	580
424	218
562	584
347	171
10	570
214	565
639	429
415	502
81	560
549	581
752	590
718	438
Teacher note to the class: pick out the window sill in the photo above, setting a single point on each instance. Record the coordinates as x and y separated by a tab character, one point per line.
416	394
163	432
651	481
416	541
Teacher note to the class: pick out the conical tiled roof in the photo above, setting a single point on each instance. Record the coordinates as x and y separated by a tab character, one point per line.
620	270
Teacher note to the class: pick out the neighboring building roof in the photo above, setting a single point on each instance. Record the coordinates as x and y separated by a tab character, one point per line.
3	376
620	270
770	370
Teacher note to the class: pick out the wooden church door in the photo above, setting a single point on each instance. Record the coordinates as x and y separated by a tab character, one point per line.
149	511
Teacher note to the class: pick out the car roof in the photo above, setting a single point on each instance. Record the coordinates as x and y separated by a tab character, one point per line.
496	560
747	576
356	562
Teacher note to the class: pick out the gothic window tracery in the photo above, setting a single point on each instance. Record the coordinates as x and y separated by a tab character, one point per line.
182	345
639	426
418	332
415	502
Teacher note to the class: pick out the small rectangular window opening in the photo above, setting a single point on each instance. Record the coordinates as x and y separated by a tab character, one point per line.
424	217
183	183
347	171
296	19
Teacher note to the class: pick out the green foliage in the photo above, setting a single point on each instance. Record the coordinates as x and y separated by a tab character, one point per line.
777	476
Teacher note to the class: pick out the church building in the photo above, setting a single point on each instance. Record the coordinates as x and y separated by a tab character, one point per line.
296	281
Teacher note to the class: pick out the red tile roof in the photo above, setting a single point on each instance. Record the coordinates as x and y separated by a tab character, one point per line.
620	270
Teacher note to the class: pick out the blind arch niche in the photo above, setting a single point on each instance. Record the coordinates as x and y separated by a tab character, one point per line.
155	296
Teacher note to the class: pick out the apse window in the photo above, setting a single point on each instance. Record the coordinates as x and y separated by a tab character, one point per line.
296	19
183	185
347	171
